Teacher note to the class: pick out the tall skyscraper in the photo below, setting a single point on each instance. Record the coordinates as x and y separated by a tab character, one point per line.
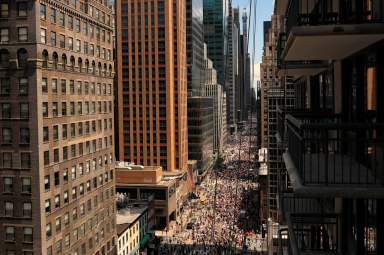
57	146
216	14
232	65
244	89
195	46
152	83
200	108
216	92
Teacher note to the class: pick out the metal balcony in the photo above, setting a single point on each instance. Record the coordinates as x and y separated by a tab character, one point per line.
346	158
304	113
315	234
322	30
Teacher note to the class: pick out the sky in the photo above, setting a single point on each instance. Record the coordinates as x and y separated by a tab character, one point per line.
263	12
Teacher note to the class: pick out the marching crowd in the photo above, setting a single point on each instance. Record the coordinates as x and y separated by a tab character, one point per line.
216	210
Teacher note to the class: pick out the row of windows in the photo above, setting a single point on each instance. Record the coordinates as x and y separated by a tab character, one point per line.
76	129
7	136
100	69
73	44
20	160
8	112
6	86
9	206
79	88
25	232
80	149
21	9
59	201
77	171
78	233
92	11
76	214
21	35
89	108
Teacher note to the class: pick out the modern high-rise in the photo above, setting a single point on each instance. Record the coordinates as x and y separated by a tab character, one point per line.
200	131
216	14
332	136
152	83
195	46
57	144
216	92
244	86
232	75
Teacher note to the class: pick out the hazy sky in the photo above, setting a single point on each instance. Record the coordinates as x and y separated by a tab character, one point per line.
264	11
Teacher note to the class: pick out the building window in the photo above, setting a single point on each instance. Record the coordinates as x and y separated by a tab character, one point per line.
66	218
46	183
70	43
70	22
56	155
22	9
62	19
24	110
62	41
58	224
25	158
48	231
78	46
22	34
45	109
46	158
8	209
24	136
44	85
5	110
10	233
55	110
4	35
65	196
27	209
67	240
77	25
23	86
26	185
28	235
45	134
58	247
7	135
53	38
5	87
8	184
7	160
65	175
64	132
72	108
43	35
4	9
57	201
43	11
53	15
22	58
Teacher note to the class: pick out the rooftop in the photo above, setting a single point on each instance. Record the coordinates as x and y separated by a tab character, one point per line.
127	216
123	165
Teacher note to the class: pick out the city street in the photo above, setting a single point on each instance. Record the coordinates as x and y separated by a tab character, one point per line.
221	218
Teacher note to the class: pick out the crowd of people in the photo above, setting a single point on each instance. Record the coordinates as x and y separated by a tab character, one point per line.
215	222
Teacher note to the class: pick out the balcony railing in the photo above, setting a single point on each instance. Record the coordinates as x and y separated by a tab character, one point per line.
304	113
325	12
326	151
313	234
